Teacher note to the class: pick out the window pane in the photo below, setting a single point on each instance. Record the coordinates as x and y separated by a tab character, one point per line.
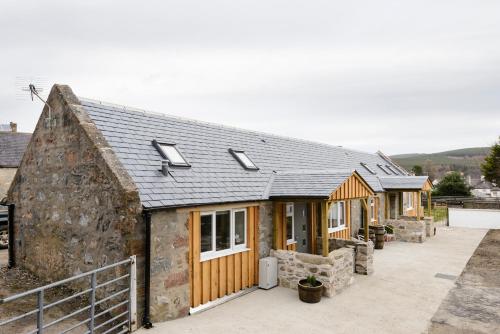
244	159
206	233
239	228
334	219
289	227
341	214
222	230
173	155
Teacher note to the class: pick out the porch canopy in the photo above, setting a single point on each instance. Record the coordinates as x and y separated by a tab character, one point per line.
414	184
323	187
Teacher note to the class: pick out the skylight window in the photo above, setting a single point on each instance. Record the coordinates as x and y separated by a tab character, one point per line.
243	159
171	153
383	169
391	169
367	168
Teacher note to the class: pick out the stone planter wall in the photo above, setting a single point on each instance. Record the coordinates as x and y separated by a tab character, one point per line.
429	226
335	271
363	258
408	230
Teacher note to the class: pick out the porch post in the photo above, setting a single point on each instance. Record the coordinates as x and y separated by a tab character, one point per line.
324	227
365	221
429	203
418	205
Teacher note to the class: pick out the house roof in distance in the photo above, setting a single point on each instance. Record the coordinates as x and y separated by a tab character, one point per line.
214	175
12	147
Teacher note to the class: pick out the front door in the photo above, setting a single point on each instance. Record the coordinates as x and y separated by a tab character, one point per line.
301	227
392	206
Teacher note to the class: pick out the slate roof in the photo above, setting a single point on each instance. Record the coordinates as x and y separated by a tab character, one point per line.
214	176
403	182
307	183
12	147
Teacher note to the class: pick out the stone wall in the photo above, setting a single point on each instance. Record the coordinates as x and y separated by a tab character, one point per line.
169	265
363	258
76	208
409	230
6	177
265	228
335	271
381	208
429	226
356	222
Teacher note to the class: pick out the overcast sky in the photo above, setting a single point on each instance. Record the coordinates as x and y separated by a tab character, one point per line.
399	76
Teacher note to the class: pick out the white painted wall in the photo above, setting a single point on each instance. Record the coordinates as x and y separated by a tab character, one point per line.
475	218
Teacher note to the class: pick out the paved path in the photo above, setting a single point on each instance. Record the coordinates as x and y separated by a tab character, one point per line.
400	297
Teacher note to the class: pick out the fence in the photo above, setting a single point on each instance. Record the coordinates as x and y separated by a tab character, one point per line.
108	310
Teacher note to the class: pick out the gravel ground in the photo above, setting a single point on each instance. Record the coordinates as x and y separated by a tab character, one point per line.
399	298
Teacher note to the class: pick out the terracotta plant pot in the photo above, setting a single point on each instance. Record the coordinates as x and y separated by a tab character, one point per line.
308	293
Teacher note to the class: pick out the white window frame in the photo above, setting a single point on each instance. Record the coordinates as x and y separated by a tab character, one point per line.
410	200
233	230
342	226
287	214
233	249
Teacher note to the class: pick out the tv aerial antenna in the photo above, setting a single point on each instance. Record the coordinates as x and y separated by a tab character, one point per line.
35	88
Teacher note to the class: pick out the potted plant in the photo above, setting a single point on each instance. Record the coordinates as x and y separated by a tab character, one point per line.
310	289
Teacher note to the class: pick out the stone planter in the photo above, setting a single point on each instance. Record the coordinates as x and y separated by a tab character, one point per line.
310	294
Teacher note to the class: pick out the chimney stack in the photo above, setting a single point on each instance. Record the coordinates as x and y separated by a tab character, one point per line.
13	127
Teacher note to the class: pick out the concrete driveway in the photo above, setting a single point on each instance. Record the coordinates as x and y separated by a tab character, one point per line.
400	297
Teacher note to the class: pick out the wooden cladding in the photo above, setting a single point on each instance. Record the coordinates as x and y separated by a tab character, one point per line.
225	275
279	240
353	187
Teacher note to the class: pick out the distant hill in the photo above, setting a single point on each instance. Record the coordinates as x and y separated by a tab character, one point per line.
465	160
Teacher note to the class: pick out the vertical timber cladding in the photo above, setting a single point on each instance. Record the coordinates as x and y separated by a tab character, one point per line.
354	187
224	275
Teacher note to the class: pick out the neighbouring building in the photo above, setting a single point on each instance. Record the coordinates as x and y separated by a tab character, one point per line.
214	199
485	189
12	147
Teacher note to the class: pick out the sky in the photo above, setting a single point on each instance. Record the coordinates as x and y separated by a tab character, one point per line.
397	76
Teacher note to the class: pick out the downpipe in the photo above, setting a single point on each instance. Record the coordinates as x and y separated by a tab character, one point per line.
10	222
146	321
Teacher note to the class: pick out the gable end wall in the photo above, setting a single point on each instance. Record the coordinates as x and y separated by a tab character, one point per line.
76	208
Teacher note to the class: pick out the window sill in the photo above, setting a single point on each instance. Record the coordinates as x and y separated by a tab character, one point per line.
226	252
291	242
336	229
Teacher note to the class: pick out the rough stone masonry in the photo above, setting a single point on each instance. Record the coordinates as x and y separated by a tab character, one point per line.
76	208
335	271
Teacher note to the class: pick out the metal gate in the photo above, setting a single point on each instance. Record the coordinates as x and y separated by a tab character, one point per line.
111	314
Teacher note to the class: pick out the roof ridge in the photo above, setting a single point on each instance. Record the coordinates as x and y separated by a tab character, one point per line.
219	125
314	171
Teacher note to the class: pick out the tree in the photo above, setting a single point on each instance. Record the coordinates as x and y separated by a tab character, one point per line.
417	170
491	165
429	169
453	184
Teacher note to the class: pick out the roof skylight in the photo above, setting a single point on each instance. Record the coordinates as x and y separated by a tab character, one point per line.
171	153
243	159
383	169
391	169
367	168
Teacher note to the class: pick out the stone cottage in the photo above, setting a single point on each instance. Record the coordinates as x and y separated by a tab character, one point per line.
103	182
12	147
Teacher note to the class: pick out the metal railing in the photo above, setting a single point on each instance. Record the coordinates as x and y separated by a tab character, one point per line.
116	321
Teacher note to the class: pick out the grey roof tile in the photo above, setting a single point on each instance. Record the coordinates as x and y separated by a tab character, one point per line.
12	147
214	176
